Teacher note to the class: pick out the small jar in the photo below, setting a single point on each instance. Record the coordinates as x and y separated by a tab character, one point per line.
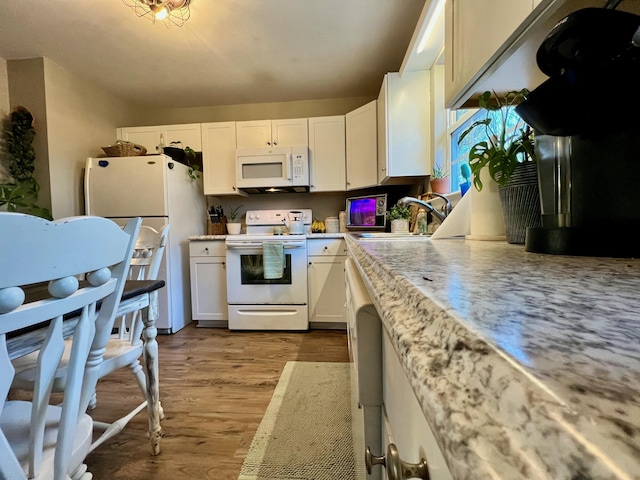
331	225
343	221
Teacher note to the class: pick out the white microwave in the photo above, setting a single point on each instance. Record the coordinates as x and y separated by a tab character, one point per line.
276	169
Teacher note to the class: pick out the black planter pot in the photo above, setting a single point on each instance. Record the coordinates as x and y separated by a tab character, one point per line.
520	200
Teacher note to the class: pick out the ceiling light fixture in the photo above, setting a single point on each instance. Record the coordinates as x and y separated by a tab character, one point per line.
169	12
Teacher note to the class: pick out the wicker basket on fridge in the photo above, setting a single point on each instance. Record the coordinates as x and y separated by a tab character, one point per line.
124	149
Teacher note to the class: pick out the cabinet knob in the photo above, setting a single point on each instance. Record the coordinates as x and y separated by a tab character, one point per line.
396	468
370	460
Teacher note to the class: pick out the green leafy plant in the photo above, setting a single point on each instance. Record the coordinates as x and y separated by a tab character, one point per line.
505	146
20	193
439	171
234	212
399	212
194	170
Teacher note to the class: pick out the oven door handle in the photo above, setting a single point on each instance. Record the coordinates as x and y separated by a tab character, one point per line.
254	245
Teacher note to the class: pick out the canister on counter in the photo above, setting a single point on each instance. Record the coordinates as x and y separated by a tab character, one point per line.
343	221
332	225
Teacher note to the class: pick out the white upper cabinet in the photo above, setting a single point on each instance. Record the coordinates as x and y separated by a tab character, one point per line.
404	127
362	147
188	134
492	44
327	153
148	137
219	158
272	133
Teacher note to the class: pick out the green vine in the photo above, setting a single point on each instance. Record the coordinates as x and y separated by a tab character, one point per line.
20	194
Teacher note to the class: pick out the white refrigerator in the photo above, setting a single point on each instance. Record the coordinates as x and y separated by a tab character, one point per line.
159	190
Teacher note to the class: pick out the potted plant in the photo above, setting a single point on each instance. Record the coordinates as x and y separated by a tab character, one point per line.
439	179
506	154
233	226
399	217
20	192
507	143
186	155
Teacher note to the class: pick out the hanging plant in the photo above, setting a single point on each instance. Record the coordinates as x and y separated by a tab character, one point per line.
21	193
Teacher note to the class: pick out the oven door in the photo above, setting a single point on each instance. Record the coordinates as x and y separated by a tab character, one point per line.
246	284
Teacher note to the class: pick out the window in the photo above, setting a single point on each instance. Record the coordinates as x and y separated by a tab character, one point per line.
459	121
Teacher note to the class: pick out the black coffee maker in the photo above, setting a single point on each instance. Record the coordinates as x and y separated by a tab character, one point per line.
587	122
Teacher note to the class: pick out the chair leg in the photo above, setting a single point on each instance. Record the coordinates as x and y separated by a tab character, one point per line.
138	372
81	473
93	401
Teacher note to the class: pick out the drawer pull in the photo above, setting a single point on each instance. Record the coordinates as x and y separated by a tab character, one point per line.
396	468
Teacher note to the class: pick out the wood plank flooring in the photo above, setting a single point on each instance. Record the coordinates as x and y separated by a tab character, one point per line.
215	386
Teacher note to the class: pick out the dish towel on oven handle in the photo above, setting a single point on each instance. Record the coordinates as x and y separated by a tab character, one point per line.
273	259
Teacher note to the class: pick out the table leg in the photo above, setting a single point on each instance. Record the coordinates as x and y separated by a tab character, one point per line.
150	356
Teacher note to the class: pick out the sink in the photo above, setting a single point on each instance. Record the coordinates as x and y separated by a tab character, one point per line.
388	236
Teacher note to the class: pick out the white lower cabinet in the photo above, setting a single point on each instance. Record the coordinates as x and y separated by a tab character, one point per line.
325	279
385	409
207	263
403	424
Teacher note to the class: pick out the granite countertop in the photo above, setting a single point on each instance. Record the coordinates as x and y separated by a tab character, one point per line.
526	365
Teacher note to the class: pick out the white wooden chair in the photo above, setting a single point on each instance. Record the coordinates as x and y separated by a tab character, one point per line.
38	439
125	347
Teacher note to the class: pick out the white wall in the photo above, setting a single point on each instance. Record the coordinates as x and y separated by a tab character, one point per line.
250	111
4	107
73	119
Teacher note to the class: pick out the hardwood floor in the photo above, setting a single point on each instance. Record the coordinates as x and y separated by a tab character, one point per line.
215	386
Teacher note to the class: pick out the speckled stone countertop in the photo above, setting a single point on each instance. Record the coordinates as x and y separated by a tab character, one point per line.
527	366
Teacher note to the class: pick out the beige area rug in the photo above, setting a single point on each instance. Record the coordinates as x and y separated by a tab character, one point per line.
306	432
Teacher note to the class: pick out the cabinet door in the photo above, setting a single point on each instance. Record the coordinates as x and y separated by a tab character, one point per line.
362	147
327	290
469	44
404	126
188	134
219	158
405	425
327	154
148	137
289	132
253	134
208	288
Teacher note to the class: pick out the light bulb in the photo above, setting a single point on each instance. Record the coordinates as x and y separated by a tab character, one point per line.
162	13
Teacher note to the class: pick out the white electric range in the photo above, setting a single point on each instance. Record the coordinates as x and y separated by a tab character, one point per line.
257	303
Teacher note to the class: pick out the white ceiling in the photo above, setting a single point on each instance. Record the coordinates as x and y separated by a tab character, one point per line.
228	52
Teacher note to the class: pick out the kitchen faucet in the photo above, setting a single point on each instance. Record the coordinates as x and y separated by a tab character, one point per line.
436	213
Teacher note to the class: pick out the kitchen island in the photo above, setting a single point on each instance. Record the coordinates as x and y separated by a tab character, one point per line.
525	365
